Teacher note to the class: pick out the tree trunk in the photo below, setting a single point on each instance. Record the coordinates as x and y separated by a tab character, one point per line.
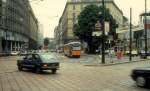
91	48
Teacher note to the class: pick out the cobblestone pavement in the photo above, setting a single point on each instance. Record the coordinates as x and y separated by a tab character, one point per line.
72	76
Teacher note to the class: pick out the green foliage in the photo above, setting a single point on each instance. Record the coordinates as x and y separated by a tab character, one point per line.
86	24
51	45
87	19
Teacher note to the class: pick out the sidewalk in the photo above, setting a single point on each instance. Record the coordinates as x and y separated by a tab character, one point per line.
95	60
114	61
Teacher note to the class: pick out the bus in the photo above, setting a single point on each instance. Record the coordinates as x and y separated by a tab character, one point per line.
72	49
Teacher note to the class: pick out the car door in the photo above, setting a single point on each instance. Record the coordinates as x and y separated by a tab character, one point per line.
28	61
24	61
35	60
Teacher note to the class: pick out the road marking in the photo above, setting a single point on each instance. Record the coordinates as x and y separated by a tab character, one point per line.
107	90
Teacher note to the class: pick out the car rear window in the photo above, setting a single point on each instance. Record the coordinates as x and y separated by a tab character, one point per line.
48	58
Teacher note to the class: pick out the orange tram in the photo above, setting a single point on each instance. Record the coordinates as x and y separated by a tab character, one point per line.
72	49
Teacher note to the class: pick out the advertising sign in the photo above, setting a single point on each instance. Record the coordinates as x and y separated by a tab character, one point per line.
107	27
147	27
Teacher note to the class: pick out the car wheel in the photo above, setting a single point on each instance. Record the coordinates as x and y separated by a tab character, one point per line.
37	70
20	68
140	81
53	71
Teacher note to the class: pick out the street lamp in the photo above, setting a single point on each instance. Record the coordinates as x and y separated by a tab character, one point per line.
103	34
145	29
130	58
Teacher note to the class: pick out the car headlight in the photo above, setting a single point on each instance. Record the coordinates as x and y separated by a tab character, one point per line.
45	65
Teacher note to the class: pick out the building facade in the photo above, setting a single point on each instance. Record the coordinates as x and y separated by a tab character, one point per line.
40	36
140	35
1	25
15	25
34	29
56	35
73	9
59	34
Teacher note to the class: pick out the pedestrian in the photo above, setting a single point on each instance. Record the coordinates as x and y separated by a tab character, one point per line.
111	55
119	54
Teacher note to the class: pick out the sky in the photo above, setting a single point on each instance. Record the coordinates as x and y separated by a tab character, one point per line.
48	12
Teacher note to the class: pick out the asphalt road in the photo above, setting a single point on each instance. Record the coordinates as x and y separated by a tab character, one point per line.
72	76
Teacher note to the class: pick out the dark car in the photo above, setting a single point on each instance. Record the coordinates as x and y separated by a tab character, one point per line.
141	76
142	53
39	62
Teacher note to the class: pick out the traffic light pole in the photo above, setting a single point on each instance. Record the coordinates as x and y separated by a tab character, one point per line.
103	34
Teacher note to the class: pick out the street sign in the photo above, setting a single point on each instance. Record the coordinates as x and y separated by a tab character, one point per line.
107	27
96	33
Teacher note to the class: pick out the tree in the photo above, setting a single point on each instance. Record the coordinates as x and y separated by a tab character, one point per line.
51	45
46	41
86	23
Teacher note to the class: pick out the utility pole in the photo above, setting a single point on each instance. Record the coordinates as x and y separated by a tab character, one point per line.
130	34
103	34
145	29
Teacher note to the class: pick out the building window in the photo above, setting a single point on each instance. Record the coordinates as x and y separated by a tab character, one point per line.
74	7
74	17
81	7
74	0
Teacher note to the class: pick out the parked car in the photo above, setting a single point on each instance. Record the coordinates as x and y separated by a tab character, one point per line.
106	51
134	53
14	53
23	53
39	62
141	76
142	53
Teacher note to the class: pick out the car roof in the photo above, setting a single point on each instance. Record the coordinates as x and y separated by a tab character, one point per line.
41	54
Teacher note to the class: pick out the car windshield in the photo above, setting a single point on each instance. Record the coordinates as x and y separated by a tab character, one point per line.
48	58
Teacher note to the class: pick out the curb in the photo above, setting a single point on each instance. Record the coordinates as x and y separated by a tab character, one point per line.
4	55
111	64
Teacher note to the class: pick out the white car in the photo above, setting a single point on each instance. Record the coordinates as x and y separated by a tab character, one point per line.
14	53
134	53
